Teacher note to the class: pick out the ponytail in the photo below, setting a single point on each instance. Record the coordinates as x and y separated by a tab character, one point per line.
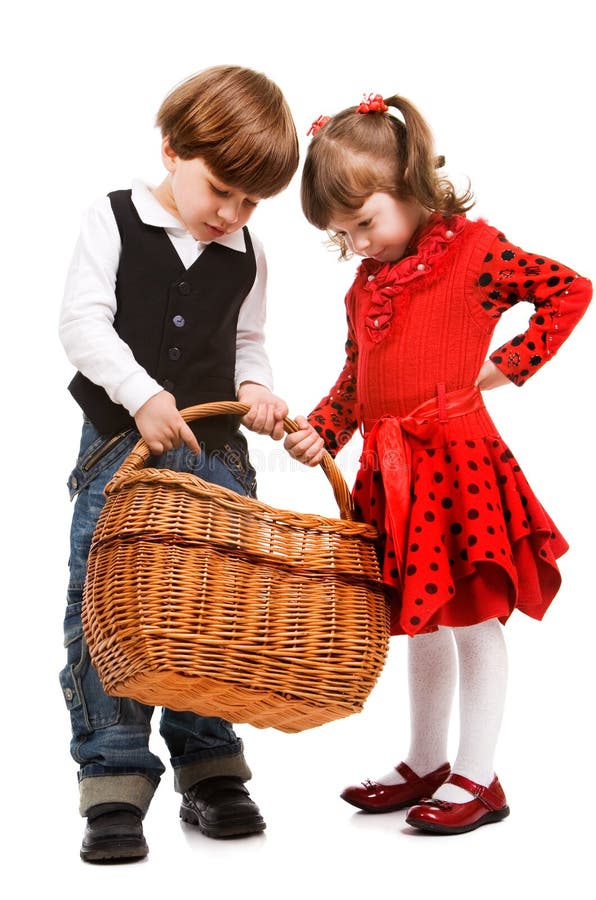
418	162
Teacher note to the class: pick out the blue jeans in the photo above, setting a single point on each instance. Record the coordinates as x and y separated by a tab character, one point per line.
110	735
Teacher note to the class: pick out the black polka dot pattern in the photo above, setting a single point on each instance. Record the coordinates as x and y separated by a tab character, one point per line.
478	514
508	276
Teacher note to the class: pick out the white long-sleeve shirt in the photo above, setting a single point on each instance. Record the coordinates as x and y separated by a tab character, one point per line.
89	306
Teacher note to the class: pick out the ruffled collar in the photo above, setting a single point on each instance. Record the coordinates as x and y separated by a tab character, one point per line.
430	243
383	282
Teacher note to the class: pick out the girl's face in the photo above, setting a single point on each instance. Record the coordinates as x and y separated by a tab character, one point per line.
207	207
382	228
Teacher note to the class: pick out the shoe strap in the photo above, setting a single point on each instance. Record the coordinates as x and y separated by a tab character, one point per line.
102	809
487	795
409	775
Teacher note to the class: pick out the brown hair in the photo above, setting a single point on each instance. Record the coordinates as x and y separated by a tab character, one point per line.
355	155
238	122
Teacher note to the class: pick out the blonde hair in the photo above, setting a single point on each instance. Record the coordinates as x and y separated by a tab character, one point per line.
356	154
238	122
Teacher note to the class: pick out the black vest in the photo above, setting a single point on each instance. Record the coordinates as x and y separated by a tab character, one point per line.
180	323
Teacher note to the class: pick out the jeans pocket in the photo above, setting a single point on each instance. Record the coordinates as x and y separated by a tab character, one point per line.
234	455
89	705
96	453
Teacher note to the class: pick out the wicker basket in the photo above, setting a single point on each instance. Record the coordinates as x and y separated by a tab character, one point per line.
201	599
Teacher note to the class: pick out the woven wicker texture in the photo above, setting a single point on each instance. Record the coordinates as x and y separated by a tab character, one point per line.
201	599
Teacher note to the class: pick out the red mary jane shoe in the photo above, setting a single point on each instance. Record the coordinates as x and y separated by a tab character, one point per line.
373	797
440	817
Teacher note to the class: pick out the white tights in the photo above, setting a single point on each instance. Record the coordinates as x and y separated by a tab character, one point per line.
479	652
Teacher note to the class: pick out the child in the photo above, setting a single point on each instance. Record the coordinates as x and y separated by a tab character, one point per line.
463	540
164	308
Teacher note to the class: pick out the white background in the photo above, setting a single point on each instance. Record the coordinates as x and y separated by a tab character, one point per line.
507	89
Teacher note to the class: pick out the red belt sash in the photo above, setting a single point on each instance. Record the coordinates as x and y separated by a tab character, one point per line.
387	451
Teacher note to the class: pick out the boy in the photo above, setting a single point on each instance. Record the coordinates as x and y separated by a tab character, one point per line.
164	308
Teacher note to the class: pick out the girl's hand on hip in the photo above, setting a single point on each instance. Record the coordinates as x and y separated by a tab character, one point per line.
306	445
162	427
490	377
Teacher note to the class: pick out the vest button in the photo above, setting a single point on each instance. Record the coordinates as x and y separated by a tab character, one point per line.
168	385
184	288
179	321
174	353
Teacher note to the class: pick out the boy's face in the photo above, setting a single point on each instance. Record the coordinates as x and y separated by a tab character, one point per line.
207	207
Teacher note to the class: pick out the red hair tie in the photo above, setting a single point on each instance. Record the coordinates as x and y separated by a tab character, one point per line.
372	103
317	124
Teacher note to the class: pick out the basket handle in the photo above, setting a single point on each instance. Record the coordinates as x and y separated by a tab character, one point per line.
140	453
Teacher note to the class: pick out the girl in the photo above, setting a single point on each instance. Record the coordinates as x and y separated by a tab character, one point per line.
463	539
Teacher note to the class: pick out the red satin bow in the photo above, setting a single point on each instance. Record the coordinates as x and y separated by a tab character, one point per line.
387	451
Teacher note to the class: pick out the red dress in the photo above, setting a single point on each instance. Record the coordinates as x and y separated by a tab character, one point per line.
462	536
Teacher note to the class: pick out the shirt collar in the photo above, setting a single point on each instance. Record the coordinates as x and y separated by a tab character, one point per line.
151	212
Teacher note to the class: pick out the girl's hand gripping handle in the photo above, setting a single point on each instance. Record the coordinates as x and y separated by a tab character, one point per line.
305	445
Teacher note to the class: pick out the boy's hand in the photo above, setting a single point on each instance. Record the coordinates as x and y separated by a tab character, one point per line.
161	425
306	445
267	412
490	376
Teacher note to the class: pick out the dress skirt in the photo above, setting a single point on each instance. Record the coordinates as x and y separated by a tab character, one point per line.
462	537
